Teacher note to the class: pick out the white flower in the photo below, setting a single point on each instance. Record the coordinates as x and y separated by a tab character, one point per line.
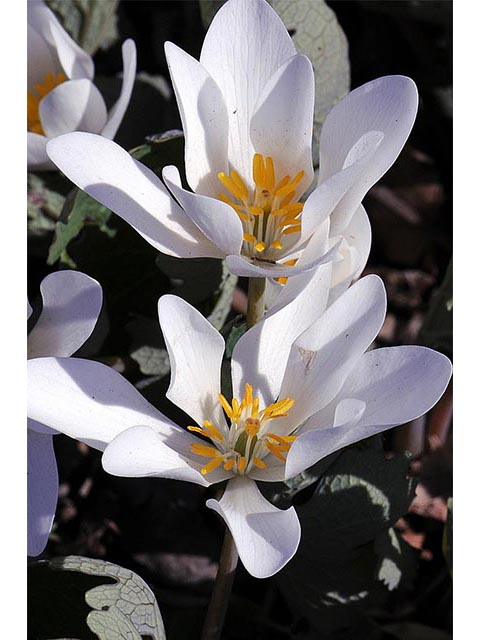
71	304
247	114
303	386
61	96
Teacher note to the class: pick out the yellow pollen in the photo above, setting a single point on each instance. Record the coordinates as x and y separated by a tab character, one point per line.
213	464
247	441
268	208
33	100
241	464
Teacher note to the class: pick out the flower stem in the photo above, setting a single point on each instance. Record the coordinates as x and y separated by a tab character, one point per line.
256	300
217	608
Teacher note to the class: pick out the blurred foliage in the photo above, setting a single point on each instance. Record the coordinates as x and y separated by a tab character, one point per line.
437	329
91	23
63	592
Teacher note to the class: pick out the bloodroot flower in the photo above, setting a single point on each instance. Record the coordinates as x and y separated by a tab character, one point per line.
247	114
303	385
61	96
71	304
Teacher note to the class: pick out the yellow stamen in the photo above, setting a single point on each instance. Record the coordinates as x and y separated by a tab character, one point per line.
213	464
248	397
298	178
275	450
259	463
229	464
285	191
296	228
282	183
295	208
276	244
260	246
33	100
248	237
269	174
287	199
231	186
239	183
213	430
226	407
279	212
252	426
241	464
258	170
204	450
255	211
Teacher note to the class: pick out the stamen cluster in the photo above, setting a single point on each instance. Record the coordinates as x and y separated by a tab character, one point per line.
268	213
33	100
247	441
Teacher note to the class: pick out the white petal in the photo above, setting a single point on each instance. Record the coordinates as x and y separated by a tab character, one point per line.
195	349
245	267
110	175
93	403
388	105
326	197
204	121
260	356
358	235
216	220
76	62
266	537
387	387
71	306
37	158
75	105
244	46
139	452
40	58
115	116
42	490
323	356
282	123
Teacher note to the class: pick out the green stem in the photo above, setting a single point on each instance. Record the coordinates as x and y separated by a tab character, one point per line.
217	608
256	300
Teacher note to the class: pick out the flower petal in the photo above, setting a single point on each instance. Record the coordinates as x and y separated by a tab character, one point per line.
42	490
387	105
204	121
75	62
71	306
323	356
215	219
37	158
93	403
282	123
245	267
195	349
40	57
260	355
387	387
75	105
244	46
139	452
325	199
266	537
115	116
110	175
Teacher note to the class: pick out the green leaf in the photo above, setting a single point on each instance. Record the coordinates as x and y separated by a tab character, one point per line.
63	592
341	562
91	23
316	33
79	209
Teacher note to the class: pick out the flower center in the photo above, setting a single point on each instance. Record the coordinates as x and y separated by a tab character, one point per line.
269	212
248	439
33	100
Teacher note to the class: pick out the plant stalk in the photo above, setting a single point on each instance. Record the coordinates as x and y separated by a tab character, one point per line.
256	300
217	609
